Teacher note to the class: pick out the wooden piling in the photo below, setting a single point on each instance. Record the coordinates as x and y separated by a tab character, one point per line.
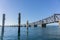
3	22
27	24
19	21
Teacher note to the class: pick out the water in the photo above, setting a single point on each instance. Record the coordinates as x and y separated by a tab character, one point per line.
33	33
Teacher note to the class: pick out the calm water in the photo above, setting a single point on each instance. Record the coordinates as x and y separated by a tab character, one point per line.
33	33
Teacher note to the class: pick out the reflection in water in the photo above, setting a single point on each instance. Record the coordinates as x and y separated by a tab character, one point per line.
18	35
2	33
27	33
37	33
18	32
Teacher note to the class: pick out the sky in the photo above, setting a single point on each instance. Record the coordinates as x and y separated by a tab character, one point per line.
31	10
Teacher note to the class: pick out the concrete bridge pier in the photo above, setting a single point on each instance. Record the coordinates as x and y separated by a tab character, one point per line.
59	23
35	25
29	25
43	25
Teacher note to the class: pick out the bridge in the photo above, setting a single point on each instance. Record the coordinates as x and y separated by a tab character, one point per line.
51	19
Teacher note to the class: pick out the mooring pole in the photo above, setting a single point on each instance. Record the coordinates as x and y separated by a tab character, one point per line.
19	19
3	22
27	24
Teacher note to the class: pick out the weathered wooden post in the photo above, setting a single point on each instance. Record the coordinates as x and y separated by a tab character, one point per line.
3	22
19	22
27	24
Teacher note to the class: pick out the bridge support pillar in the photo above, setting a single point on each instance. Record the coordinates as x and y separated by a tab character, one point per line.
35	25
43	25
29	25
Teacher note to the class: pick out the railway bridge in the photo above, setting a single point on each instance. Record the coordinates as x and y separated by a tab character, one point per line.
51	19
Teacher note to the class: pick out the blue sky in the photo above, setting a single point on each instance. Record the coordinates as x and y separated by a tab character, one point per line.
32	10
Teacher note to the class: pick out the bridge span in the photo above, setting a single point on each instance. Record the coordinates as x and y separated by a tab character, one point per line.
51	19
